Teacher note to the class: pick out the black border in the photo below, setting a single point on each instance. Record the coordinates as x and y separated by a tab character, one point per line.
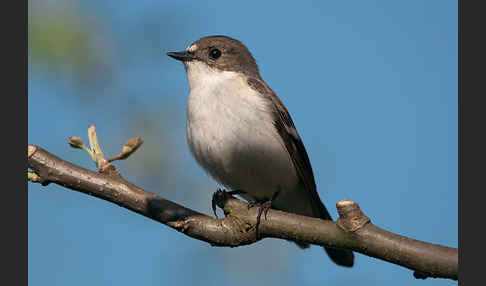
472	143
14	144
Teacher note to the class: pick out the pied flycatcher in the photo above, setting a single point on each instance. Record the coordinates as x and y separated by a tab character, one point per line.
240	132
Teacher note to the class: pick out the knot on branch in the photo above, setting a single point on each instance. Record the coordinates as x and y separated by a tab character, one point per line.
351	218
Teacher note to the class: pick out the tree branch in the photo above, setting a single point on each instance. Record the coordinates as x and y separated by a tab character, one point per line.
353	230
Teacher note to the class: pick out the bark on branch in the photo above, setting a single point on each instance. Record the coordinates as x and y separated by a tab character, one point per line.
353	230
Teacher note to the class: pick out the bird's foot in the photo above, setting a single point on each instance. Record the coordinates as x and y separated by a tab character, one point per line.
263	209
220	197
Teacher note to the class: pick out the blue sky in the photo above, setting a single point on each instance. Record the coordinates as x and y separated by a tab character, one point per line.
371	86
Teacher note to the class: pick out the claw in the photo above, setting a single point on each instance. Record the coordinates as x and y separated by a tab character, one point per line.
213	202
264	207
220	196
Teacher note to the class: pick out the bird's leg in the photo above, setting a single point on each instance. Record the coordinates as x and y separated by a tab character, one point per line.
221	196
264	207
218	197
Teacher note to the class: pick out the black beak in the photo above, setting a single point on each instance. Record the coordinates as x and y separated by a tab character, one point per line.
183	56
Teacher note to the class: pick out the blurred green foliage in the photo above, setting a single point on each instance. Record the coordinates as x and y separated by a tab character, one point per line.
76	47
60	38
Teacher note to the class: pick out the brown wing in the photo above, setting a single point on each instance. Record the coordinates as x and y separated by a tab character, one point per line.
286	128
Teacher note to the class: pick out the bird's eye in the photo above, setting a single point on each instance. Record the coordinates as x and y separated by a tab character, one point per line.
214	53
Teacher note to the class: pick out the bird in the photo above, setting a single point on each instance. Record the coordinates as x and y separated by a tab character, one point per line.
242	134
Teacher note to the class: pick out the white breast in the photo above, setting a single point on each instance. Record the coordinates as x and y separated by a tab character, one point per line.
231	134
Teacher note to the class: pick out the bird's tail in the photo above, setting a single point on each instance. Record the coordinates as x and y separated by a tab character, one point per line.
342	257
